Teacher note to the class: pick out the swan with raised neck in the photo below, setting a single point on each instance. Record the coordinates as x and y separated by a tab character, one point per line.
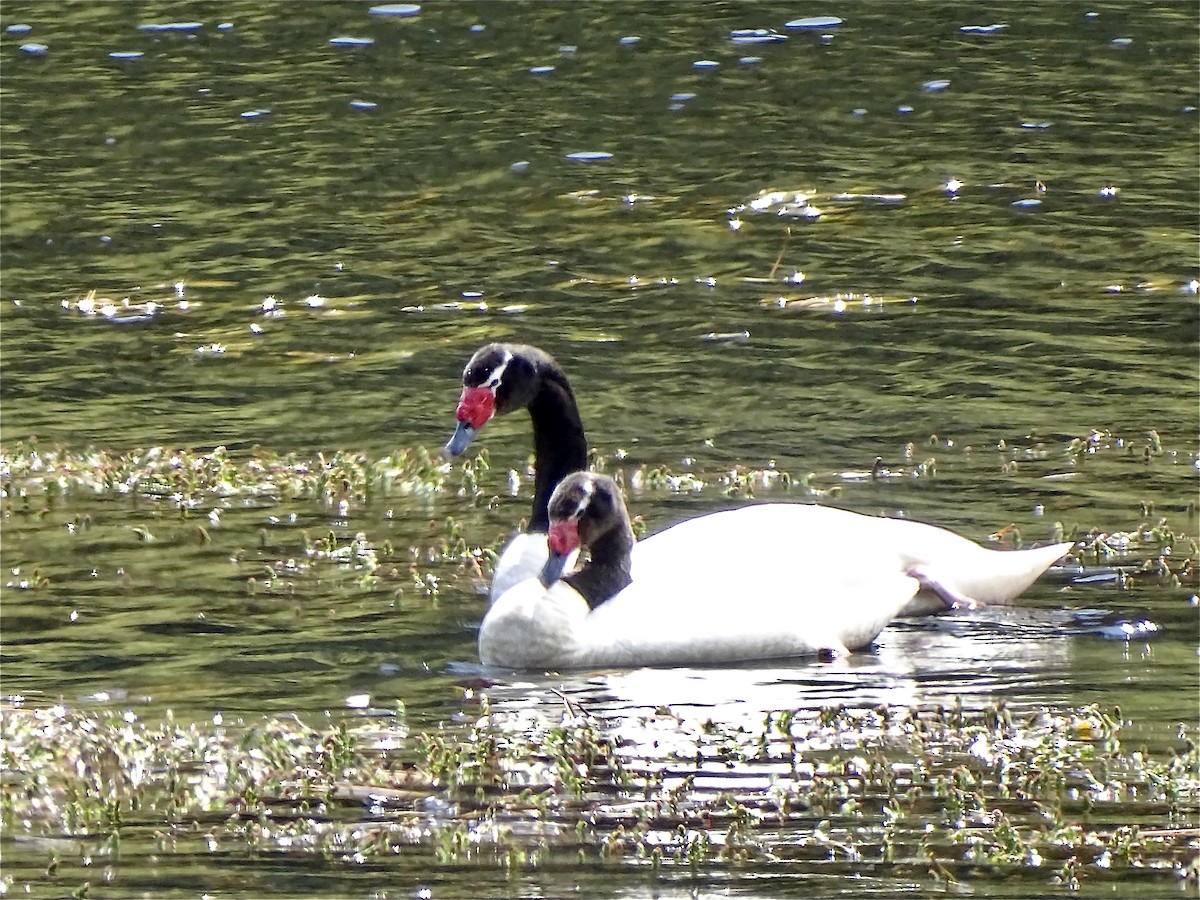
503	377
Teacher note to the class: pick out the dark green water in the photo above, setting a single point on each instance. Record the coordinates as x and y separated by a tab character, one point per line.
160	180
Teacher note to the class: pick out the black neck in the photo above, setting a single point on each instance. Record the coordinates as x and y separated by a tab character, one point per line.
607	572
559	444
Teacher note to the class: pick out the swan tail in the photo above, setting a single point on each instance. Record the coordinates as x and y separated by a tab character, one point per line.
996	576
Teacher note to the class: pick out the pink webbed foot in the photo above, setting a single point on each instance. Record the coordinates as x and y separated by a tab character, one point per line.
952	598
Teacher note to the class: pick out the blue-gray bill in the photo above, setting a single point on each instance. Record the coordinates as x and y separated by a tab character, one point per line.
460	440
553	569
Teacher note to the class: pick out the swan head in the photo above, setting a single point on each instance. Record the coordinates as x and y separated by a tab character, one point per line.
498	379
587	510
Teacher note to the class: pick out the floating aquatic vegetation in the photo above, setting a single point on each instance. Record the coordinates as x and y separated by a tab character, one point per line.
190	478
938	794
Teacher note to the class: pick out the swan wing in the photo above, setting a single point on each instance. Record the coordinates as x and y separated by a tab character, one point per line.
713	611
776	534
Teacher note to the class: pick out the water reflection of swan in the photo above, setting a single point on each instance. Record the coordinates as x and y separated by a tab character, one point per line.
1020	655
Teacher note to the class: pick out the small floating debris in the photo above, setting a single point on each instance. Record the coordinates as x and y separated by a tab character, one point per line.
726	337
225	26
629	40
1127	631
19	29
35	49
521	165
936	86
858	111
1121	43
255	113
1028	203
706	64
878	472
119	312
756	36
682	97
750	60
351	41
983	29
1036	126
364	104
170	26
589	156
541	70
836	303
450	306
567	49
794	204
813	23
952	186
126	55
1109	191
400	10
879	199
904	109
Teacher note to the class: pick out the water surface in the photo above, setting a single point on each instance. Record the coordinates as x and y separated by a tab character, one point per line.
259	237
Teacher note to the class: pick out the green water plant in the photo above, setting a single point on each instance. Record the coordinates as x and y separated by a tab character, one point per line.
958	794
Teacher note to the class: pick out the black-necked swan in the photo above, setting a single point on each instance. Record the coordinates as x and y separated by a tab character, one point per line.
501	378
704	608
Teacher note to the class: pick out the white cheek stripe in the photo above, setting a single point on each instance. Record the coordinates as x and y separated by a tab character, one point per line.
583	501
493	381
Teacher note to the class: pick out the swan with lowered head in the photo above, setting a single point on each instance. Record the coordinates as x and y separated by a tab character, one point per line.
501	378
703	609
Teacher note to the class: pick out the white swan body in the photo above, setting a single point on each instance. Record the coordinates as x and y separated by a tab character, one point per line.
689	603
718	614
797	541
